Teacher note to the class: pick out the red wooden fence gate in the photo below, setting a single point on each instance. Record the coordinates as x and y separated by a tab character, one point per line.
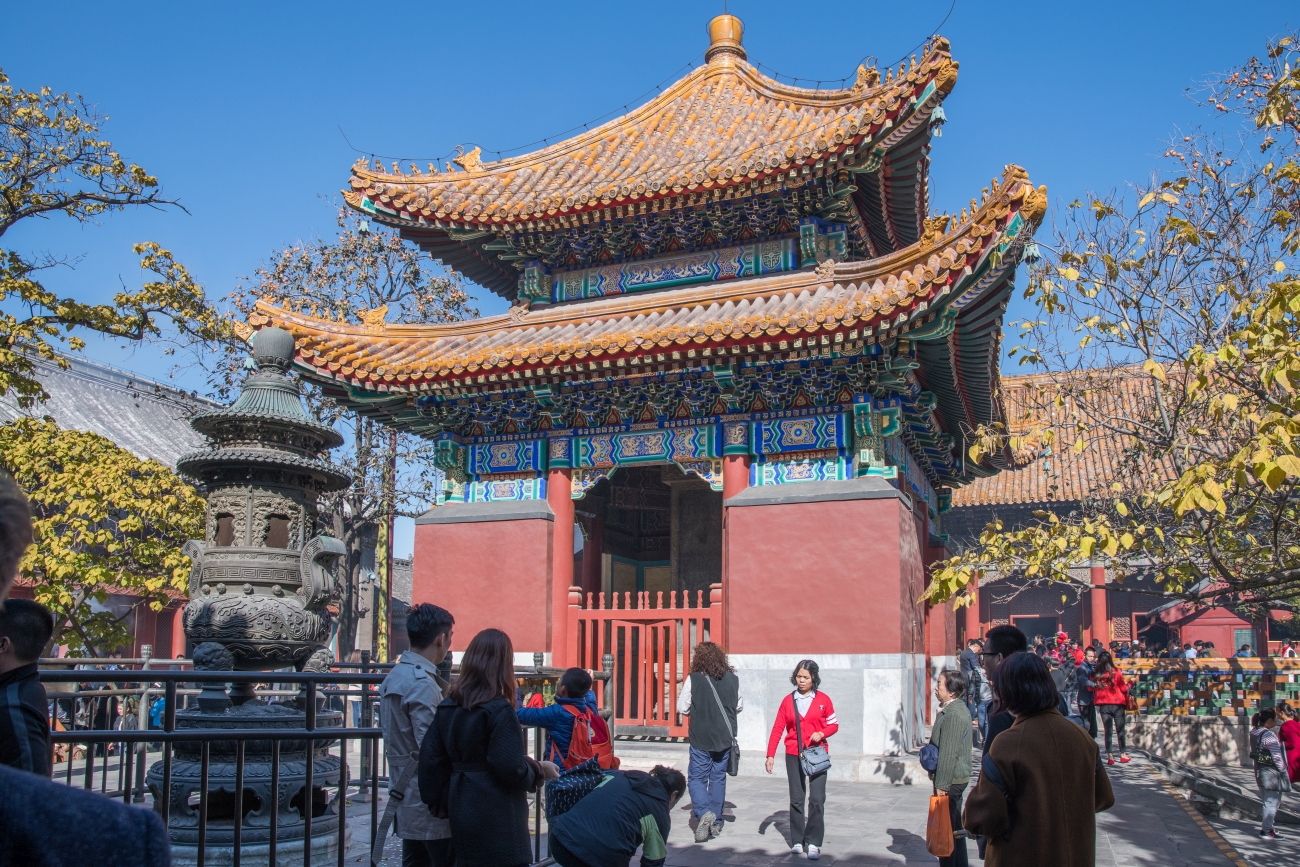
651	641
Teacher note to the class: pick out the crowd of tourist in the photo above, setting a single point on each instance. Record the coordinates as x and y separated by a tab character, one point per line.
460	776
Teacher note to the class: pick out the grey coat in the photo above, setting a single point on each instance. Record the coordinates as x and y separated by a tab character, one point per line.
408	697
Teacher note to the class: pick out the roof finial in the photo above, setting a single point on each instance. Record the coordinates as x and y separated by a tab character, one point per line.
725	32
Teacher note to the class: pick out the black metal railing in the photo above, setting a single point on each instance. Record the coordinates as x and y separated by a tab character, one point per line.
86	700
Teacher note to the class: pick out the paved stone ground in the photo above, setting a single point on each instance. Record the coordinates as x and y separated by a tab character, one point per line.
870	825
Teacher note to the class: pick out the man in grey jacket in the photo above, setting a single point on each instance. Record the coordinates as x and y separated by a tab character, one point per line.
408	697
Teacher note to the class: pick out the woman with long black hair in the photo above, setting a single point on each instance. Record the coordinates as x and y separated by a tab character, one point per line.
473	769
805	719
1110	695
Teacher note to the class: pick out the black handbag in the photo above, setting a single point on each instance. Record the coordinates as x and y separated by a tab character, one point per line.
733	757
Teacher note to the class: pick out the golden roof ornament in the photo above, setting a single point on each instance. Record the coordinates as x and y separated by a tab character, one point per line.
725	32
373	320
470	162
934	228
242	330
868	76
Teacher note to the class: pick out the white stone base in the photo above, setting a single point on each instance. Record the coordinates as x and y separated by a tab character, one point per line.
879	701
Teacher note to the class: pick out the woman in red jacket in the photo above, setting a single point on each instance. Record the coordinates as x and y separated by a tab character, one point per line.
816	722
1110	696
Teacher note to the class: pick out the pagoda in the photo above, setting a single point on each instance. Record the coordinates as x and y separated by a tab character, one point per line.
742	361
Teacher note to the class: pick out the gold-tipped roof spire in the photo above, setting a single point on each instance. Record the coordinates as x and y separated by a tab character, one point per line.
725	32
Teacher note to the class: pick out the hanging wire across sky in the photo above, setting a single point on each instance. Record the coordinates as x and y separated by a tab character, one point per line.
627	106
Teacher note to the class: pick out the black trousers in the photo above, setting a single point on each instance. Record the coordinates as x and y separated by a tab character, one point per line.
1113	715
958	858
809	828
427	853
1088	713
564	857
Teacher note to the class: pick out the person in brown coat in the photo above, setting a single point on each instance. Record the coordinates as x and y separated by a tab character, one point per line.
1041	782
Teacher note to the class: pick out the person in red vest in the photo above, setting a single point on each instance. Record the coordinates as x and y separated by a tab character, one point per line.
806	719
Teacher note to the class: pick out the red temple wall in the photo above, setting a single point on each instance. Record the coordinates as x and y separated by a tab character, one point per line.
810	577
489	574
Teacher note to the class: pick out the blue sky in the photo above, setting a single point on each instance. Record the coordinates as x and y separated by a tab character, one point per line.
237	107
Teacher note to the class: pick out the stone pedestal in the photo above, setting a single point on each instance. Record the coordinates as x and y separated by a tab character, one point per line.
290	793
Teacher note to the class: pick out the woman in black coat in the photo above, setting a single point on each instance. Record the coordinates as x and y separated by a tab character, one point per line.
473	769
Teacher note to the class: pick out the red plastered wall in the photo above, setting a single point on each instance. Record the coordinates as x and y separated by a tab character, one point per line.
821	577
489	574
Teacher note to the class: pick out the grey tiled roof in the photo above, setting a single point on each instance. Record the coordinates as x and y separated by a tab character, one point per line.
147	418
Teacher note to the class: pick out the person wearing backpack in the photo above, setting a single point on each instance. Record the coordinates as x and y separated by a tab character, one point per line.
1269	758
805	720
575	731
710	698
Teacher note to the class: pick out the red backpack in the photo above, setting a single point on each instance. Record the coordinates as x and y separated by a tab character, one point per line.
590	739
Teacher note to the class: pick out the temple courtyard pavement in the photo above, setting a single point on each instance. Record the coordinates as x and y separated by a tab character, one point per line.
871	825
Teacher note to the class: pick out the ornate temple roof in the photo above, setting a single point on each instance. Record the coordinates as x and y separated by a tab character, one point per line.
945	294
723	145
147	418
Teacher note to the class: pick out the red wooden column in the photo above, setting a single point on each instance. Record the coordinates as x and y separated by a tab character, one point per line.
975	626
559	495
1097	596
735	475
591	551
735	479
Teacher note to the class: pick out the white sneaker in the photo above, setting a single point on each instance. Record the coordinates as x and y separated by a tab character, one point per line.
814	853
796	849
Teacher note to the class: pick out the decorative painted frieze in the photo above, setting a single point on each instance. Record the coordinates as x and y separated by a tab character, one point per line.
826	465
646	447
520	456
800	434
748	260
735	438
509	487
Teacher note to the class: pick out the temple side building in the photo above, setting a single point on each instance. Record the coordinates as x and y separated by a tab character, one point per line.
1060	480
730	398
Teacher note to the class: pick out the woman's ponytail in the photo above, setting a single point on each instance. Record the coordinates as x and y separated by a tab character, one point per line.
671	779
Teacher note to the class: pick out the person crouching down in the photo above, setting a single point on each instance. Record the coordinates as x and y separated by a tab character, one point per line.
710	697
627	810
806	719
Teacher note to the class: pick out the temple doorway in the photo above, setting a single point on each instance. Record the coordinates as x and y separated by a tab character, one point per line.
649	529
1035	627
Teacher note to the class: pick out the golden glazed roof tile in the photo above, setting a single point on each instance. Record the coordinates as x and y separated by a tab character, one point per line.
862	296
1059	474
723	125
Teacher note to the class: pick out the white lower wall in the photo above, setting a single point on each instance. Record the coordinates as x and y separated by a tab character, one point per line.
879	701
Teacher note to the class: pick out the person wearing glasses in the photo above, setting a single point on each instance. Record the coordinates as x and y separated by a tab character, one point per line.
1001	642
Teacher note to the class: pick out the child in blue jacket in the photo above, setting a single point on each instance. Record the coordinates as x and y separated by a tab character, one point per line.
557	721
